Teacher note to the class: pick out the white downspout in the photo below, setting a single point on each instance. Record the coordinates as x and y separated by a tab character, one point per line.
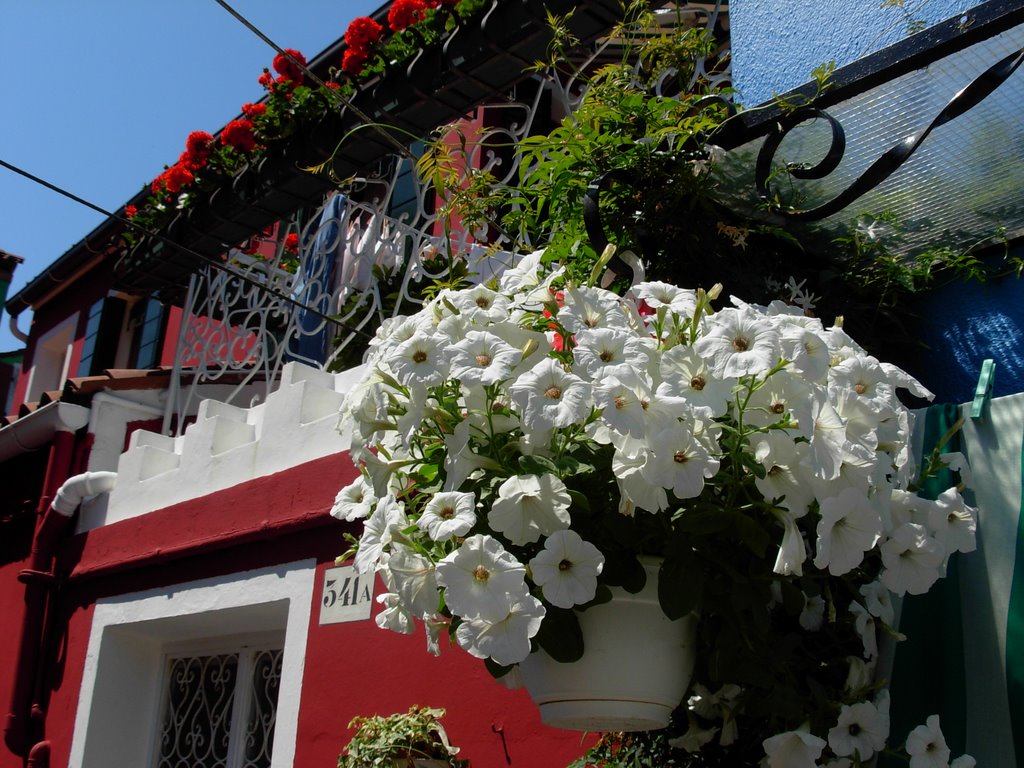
78	488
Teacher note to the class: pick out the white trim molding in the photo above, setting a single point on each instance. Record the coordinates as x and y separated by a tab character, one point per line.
120	698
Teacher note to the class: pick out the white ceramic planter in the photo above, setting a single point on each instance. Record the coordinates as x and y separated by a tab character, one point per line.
635	669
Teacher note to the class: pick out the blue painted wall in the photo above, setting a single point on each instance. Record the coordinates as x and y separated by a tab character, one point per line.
776	43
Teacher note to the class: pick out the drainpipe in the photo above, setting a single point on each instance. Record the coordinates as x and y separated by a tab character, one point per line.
40	582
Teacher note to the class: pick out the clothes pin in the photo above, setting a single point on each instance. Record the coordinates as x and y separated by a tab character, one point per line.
983	391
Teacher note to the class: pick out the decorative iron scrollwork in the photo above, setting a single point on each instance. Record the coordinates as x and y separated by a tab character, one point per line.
966	99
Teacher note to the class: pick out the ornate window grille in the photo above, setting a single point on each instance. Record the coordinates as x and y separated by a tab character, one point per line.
219	710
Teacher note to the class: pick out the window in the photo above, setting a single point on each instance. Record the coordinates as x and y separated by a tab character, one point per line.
148	320
219	709
250	626
101	335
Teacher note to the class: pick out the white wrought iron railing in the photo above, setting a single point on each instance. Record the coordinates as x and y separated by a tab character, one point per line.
365	255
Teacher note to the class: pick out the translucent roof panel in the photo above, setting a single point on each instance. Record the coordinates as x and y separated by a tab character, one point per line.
963	183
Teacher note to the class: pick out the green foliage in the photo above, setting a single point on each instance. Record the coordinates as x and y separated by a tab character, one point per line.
396	740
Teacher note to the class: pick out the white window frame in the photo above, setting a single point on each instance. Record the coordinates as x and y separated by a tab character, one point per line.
51	359
121	698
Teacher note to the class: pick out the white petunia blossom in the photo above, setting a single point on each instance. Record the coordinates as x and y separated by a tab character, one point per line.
505	640
793	749
415	581
481	578
609	352
953	523
482	358
912	560
530	506
680	462
927	746
739	342
861	729
547	396
355	501
849	527
448	514
685	374
878	600
657	294
566	569
388	513
419	359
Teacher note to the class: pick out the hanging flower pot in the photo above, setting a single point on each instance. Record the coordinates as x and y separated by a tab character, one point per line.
635	668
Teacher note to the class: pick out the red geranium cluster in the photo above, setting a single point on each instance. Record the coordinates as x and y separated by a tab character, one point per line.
239	134
287	68
291	243
360	37
197	152
405	13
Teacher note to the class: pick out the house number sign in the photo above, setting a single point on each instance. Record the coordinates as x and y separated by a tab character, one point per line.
347	595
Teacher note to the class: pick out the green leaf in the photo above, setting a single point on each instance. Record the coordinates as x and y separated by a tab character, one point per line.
703	522
579	500
497	670
560	635
537	465
622	569
680	583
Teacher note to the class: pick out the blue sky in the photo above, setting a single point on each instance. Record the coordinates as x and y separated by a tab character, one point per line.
98	96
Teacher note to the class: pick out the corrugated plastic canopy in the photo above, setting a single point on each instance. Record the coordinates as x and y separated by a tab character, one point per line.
963	181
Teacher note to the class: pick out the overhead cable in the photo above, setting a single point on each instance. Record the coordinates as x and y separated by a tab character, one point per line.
208	260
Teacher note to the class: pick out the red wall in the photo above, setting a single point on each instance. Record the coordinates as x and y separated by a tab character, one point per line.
350	669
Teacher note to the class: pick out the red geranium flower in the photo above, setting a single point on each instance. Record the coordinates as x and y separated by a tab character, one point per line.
266	79
252	110
130	211
405	13
353	61
177	177
362	33
193	161
291	243
238	134
198	143
288	68
332	85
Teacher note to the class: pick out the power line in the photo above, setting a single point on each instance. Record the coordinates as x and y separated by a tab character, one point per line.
208	260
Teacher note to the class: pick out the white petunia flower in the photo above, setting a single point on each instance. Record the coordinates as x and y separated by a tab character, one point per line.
482	358
861	728
849	527
878	600
785	476
739	342
420	359
927	746
609	352
864	623
355	501
806	351
793	749
624	404
388	513
629	465
590	308
414	580
530	506
656	294
792	552
480	579
447	514
567	569
694	738
964	761
685	374
680	463
395	616
828	440
480	304
912	560
953	523
548	397
505	640
861	674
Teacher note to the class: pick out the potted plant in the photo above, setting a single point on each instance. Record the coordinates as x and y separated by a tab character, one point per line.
414	739
534	450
